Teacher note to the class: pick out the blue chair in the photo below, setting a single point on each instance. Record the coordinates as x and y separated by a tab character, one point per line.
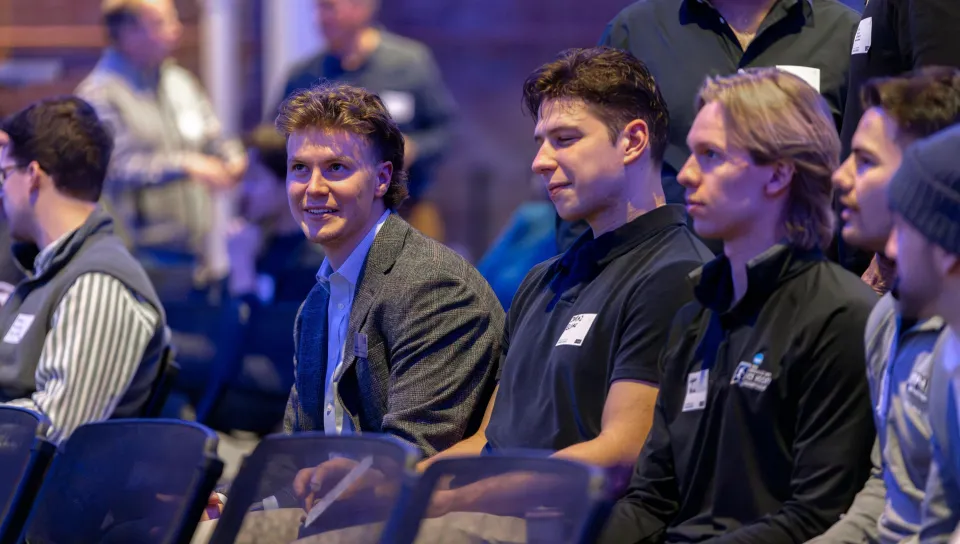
503	499
126	480
262	505
25	455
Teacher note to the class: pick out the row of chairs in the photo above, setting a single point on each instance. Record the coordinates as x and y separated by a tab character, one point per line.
148	480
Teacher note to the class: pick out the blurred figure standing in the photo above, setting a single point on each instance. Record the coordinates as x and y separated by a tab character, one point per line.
170	151
403	72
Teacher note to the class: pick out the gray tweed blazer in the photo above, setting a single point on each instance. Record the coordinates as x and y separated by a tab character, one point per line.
433	328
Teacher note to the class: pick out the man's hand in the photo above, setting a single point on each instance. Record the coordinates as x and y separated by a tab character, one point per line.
209	170
238	167
214	507
312	484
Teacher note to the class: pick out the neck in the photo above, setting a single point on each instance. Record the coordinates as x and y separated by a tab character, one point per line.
359	48
744	16
740	251
947	305
67	218
648	197
339	251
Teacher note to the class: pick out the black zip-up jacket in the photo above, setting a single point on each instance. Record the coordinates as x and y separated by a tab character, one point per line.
776	442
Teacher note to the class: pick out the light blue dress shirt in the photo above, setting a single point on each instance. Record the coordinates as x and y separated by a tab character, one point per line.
341	284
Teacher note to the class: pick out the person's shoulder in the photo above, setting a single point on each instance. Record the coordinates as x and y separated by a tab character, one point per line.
835	11
882	315
403	49
641	11
831	293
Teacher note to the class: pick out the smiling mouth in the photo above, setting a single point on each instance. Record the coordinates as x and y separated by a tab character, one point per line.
319	212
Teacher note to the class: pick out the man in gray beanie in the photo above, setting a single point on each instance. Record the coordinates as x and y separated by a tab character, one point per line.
925	243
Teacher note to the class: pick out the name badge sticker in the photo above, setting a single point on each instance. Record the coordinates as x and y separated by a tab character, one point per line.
697	385
577	330
861	42
21	324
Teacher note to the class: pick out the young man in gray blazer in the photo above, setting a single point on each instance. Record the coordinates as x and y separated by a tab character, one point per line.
400	335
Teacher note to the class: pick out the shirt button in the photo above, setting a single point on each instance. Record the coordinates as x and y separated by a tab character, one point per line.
329	408
340	306
722	20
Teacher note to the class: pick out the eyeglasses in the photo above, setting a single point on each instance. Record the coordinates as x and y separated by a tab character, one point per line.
5	172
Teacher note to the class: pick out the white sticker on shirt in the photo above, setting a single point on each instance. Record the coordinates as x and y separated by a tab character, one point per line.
863	38
400	105
806	73
748	376
19	329
576	330
697	383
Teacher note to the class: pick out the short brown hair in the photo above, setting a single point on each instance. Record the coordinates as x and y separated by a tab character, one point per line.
338	106
615	85
920	102
777	117
68	141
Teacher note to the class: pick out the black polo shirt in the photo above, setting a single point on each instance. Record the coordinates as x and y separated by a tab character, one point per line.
594	315
763	427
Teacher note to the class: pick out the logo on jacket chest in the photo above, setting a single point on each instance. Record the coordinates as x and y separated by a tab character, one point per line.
750	376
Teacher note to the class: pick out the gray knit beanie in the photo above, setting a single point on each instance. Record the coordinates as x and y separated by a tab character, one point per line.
926	188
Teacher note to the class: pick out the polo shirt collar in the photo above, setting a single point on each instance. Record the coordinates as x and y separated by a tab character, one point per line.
616	243
690	9
765	274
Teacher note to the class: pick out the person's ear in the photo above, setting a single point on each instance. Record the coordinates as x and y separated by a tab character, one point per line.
384	175
635	137
35	175
780	178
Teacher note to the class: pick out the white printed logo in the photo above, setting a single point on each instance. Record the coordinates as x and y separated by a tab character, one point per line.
19	329
576	330
748	376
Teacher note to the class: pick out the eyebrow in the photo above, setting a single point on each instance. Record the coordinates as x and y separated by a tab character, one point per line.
336	158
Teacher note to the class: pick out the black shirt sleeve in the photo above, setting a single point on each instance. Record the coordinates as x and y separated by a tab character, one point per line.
933	26
834	434
653	307
653	498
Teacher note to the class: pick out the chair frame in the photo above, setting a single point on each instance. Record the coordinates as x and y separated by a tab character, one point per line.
244	488
401	528
210	467
41	455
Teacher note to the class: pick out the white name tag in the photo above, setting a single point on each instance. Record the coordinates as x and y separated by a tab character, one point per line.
863	38
806	73
576	330
21	324
697	385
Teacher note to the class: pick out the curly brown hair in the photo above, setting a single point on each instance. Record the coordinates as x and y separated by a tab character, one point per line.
920	102
615	85
340	106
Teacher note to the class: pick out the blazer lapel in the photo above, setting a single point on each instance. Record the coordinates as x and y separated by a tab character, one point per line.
383	254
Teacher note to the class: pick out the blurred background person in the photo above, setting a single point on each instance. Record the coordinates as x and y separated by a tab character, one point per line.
170	153
403	72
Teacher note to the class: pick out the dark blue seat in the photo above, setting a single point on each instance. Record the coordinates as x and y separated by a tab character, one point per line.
503	499
144	481
25	455
262	506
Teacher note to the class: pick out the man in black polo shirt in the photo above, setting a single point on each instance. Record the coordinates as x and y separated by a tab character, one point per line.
578	373
684	41
763	429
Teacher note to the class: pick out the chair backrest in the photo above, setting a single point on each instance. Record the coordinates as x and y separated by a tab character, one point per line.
264	504
126	480
25	455
166	377
503	499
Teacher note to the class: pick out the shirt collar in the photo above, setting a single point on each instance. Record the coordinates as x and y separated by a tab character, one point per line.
351	268
115	62
689	9
611	245
46	254
765	274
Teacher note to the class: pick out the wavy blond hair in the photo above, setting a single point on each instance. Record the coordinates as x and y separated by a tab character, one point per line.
777	117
